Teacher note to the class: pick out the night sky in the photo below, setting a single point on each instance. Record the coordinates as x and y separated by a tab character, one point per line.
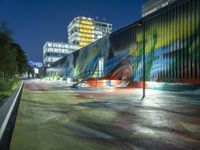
33	22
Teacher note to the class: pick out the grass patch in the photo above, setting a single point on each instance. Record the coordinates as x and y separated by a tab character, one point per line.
6	88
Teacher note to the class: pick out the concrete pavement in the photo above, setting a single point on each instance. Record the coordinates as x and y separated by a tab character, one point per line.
53	116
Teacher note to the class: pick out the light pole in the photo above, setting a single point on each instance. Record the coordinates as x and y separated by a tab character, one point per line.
142	24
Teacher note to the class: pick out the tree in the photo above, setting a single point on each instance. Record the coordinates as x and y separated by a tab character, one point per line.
13	59
4	28
21	58
7	54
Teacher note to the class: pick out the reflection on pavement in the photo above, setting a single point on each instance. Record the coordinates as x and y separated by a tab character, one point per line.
53	116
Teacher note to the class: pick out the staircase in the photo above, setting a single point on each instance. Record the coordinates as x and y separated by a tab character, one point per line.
82	77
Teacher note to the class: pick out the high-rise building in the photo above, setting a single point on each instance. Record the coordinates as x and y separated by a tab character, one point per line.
153	5
83	31
53	51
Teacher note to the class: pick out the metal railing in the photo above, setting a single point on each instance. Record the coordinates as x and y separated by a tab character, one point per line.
8	117
82	77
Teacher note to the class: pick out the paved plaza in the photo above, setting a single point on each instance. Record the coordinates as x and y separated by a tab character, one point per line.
53	116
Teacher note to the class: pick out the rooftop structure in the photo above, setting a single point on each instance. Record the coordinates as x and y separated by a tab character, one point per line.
153	5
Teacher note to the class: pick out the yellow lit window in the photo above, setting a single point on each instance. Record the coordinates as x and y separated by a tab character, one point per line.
89	40
85	35
83	44
86	26
86	31
86	22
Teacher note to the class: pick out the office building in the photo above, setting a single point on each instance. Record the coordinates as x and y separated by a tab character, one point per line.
53	51
83	31
153	5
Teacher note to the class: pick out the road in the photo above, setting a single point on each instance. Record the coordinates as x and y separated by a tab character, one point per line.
52	116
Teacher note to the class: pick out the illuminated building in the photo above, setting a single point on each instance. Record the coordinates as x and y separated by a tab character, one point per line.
53	51
170	38
153	5
83	31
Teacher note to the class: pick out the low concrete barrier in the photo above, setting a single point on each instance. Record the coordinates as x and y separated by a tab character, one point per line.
8	114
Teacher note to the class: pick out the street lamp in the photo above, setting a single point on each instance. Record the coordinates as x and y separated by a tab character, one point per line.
142	24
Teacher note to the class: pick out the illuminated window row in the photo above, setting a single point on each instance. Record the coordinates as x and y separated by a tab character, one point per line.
86	31
86	35
98	32
86	39
86	22
82	44
86	26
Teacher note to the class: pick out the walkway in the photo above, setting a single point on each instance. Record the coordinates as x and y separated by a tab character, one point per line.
54	117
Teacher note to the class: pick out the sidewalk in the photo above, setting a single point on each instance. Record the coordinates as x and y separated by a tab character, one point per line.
54	117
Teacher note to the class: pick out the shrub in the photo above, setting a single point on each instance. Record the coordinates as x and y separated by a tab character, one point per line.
6	88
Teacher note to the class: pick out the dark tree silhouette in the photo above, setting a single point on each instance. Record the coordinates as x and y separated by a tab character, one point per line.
13	59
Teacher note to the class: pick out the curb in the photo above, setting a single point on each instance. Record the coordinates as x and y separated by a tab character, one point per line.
7	125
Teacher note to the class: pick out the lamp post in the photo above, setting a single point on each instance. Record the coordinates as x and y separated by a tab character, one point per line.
142	24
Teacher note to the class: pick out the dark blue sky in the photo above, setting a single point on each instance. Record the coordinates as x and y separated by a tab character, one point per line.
35	21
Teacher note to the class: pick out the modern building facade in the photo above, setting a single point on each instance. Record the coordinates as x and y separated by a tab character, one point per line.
83	31
153	5
169	38
53	51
